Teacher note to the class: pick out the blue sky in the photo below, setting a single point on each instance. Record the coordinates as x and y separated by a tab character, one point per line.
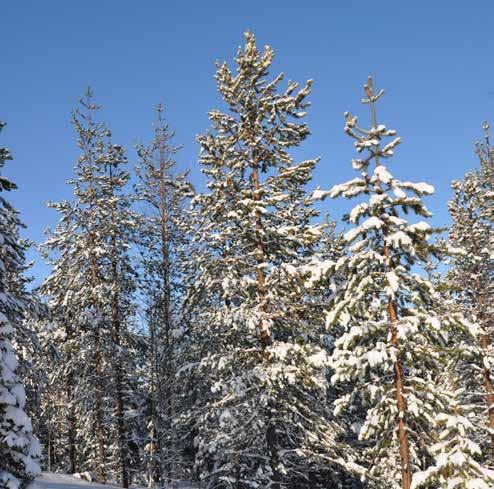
434	59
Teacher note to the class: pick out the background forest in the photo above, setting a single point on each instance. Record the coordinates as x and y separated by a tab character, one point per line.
238	333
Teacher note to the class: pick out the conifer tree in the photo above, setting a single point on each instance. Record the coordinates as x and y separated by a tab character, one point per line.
392	343
19	449
471	281
90	292
265	420
162	240
456	455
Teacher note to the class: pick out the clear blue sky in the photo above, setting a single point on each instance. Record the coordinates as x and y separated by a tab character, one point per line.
433	58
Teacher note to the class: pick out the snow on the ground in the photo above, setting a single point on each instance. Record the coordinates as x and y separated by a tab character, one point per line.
61	481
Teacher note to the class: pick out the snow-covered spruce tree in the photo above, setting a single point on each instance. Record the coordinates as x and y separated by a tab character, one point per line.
392	343
162	239
90	293
19	449
455	452
471	281
265	421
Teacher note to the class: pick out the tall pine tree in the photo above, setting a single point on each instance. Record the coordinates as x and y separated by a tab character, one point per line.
90	292
265	421
392	339
163	194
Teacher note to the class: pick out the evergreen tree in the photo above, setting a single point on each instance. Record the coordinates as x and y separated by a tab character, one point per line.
265	420
471	282
90	293
455	453
163	241
19	449
392	343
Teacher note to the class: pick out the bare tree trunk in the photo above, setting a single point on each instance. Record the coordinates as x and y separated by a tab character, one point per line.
50	450
100	429
71	419
406	475
153	467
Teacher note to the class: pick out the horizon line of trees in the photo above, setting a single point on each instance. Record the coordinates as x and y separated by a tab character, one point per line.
234	337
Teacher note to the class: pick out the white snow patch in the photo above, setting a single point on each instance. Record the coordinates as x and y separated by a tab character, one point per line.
62	481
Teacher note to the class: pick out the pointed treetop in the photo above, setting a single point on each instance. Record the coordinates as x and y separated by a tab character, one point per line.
160	109
372	96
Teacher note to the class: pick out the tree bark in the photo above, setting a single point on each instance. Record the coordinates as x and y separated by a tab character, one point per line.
406	476
71	419
122	439
100	429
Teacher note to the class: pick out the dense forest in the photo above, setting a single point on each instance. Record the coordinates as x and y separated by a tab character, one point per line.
238	338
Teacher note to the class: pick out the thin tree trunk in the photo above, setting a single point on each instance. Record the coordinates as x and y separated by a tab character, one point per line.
122	438
71	416
100	428
50	450
406	475
71	419
153	467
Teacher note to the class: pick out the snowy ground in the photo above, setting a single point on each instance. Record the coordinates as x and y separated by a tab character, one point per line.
61	481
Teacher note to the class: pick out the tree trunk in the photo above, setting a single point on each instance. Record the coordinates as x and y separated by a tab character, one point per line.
121	428
406	476
71	419
153	467
100	429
